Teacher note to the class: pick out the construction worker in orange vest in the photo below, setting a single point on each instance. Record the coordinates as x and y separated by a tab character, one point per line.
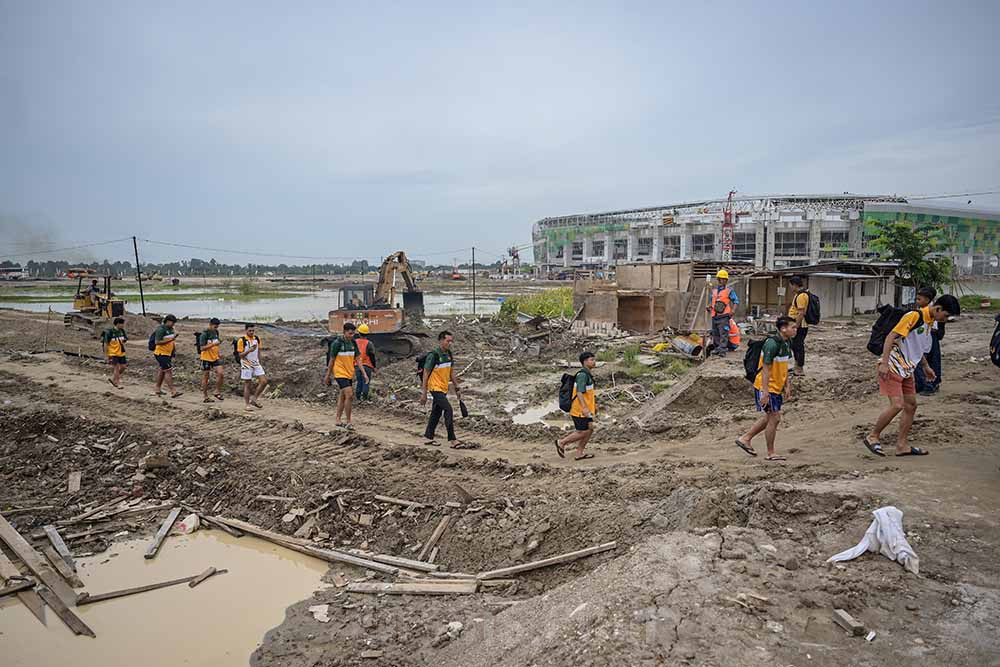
366	359
734	335
724	299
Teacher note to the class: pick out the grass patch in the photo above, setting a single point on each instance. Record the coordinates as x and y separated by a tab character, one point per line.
660	387
549	303
630	354
972	301
607	355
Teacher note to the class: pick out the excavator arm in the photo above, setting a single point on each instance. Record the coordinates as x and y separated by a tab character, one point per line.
395	264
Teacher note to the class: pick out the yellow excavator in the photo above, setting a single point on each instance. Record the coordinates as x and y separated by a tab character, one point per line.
375	305
93	306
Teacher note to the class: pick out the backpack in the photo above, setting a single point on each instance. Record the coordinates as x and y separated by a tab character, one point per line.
566	384
751	359
152	341
995	344
812	309
197	342
236	348
888	318
421	360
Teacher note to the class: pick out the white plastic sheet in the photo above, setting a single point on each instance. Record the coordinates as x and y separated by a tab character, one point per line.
885	535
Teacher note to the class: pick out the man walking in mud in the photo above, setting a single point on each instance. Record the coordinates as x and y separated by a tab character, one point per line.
797	311
343	356
208	343
113	341
771	388
365	362
584	410
163	351
906	347
248	350
437	376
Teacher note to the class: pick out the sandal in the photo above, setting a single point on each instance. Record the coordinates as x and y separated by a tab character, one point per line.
176	394
458	444
256	404
432	443
873	447
206	400
582	457
218	397
559	450
746	448
349	426
776	458
914	451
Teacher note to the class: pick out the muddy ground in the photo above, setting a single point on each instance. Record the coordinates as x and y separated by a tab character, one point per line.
720	558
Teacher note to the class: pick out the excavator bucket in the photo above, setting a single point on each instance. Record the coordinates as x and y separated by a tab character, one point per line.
413	304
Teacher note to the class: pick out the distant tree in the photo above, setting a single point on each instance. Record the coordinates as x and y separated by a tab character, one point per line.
915	248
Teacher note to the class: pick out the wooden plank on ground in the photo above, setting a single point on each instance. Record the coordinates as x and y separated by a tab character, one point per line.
72	621
443	587
100	597
397	561
29	599
221	526
276	499
663	400
34	562
546	562
202	577
848	622
89	513
62	568
435	536
57	543
303	546
400	501
434	555
161	534
75	478
16	588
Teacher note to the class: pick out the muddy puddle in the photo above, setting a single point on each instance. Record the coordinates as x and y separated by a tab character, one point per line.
534	414
217	624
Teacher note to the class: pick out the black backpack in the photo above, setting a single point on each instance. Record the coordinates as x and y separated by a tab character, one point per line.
236	348
751	359
566	384
421	360
995	344
197	342
812	309
152	341
888	318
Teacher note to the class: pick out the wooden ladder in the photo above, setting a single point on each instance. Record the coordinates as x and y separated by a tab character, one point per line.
694	305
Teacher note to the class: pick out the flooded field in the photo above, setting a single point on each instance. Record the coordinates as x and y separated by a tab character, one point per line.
217	624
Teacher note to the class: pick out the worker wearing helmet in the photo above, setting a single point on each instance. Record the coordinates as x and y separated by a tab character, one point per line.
365	360
720	309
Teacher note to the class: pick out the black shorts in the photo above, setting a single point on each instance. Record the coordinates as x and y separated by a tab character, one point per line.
118	360
165	361
582	423
209	365
344	383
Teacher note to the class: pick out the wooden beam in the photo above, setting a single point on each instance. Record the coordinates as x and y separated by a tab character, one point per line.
29	599
92	512
221	526
400	501
25	510
34	562
75	478
62	568
435	536
16	588
161	534
276	499
848	622
71	620
202	577
57	543
444	587
546	562
417	565
100	597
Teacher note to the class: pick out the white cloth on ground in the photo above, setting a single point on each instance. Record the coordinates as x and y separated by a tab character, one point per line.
885	535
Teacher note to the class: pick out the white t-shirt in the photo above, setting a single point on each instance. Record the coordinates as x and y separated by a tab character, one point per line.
911	347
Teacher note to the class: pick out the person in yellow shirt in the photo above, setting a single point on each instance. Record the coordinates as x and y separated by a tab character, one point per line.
208	343
113	341
437	376
248	350
797	311
584	410
343	361
771	388
163	351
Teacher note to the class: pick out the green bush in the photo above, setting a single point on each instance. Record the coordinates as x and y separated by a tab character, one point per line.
972	301
630	354
549	303
247	287
607	355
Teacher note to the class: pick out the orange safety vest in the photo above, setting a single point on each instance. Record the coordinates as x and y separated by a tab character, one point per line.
734	333
724	298
363	358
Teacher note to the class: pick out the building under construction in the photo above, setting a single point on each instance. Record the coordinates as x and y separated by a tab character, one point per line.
771	232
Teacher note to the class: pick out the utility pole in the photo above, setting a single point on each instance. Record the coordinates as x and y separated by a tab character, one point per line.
138	275
473	280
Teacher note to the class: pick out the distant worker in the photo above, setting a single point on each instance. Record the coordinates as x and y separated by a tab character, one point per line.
343	352
734	335
797	311
208	344
436	378
164	340
720	309
771	388
113	341
584	410
94	292
248	350
365	361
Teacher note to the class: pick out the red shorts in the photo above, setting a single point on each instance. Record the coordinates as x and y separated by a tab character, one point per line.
893	385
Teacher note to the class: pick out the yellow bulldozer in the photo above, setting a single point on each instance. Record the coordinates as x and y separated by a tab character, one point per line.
93	305
375	305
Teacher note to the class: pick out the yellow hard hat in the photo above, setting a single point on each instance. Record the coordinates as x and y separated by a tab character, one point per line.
363	329
722	274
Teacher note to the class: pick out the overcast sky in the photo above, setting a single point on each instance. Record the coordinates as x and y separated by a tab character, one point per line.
355	129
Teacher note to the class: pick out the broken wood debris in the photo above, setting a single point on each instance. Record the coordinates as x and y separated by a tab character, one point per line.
72	621
442	587
57	543
546	562
25	510
16	587
420	566
466	497
435	536
221	526
412	504
85	598
203	576
161	534
28	598
75	479
92	512
848	622
33	560
276	499
62	568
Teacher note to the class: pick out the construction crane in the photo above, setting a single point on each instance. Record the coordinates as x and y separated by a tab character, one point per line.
375	305
727	228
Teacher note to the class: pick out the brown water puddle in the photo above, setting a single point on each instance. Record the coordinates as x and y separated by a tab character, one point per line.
217	624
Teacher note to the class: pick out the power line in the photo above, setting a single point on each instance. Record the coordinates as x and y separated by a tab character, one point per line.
75	247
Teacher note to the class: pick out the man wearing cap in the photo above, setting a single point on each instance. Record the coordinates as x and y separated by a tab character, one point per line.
208	343
365	361
724	299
